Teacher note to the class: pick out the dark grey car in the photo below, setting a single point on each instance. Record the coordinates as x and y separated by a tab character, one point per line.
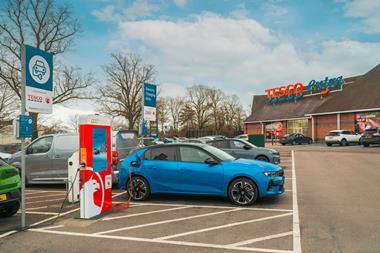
243	149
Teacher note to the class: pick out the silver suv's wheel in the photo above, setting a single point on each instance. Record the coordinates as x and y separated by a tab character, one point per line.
243	192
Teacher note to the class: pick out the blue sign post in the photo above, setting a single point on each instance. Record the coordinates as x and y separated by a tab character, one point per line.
25	127
38	80
149	105
36	96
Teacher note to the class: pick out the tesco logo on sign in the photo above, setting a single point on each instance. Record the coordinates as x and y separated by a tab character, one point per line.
296	91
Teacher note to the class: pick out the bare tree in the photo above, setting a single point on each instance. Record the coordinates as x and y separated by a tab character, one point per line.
175	105
45	24
162	110
199	101
216	98
8	105
121	96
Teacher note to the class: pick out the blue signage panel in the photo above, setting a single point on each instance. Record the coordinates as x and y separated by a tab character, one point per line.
38	69
25	127
150	92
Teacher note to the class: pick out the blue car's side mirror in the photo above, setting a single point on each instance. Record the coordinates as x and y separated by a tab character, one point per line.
211	161
134	164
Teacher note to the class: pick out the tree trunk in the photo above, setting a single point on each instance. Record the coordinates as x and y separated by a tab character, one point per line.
35	126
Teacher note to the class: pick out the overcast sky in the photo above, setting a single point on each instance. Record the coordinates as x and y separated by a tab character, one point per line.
241	47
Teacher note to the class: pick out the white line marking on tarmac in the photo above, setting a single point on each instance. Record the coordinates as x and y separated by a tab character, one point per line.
41	201
296	221
36	208
191	244
259	239
43	213
8	233
43	196
210	206
167	221
222	226
118	194
151	212
51	227
51	218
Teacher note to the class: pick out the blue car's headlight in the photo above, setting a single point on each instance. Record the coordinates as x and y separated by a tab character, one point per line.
278	173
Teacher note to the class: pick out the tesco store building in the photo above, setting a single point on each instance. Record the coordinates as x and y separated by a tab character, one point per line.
318	107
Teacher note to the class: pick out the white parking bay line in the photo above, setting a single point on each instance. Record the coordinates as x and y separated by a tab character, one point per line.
36	208
151	212
55	216
167	221
296	221
42	213
42	201
211	206
223	226
136	239
259	239
8	233
43	196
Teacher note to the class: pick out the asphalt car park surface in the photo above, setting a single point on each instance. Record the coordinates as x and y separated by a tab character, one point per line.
318	214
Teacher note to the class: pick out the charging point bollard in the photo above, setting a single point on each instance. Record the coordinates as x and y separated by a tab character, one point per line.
96	165
73	178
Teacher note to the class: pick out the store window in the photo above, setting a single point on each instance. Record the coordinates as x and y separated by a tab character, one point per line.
297	126
274	130
367	120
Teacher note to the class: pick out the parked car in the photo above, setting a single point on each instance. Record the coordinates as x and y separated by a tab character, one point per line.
371	136
243	137
342	138
213	137
10	184
243	149
5	156
123	141
46	157
294	139
198	169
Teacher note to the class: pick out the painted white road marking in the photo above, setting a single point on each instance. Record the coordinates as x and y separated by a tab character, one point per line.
8	233
296	221
223	226
210	206
44	213
36	208
42	201
51	218
44	196
167	221
191	244
259	239
151	212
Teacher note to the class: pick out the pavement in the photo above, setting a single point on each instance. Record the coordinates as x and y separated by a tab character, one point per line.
329	206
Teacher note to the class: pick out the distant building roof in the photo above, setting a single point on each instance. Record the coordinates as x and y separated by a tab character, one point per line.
358	93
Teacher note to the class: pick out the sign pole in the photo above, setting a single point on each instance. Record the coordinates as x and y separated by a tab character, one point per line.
23	200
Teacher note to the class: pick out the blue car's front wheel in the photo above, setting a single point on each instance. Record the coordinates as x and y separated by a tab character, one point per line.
243	192
138	189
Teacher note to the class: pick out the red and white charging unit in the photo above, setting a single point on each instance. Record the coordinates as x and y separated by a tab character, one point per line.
95	157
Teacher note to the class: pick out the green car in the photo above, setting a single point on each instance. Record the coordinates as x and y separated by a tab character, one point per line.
10	185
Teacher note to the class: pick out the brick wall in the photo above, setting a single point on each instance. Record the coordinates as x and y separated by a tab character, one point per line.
347	121
253	128
323	125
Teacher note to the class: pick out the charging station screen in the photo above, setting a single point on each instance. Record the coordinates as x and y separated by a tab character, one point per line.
99	152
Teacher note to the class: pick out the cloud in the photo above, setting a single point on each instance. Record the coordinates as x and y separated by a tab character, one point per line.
273	8
138	9
239	56
240	12
105	14
180	3
368	11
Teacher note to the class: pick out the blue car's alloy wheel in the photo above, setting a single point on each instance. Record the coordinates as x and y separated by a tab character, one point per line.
139	189
243	191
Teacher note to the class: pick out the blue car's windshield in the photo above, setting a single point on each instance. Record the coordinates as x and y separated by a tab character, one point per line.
223	156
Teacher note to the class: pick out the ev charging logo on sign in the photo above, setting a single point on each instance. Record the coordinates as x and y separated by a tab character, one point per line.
38	80
39	68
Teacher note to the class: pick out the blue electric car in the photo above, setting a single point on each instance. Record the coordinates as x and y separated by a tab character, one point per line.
198	169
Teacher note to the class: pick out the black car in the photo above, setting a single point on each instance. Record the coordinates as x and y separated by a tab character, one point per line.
294	139
371	136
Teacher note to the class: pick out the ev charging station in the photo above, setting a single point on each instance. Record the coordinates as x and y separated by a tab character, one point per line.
95	152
